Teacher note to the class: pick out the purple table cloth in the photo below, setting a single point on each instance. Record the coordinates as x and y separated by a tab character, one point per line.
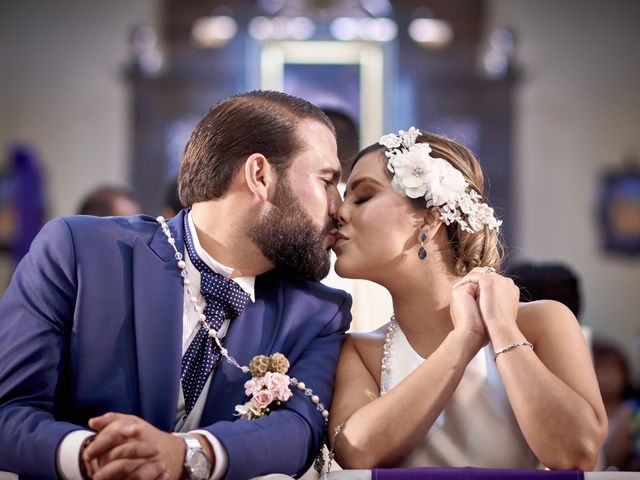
472	473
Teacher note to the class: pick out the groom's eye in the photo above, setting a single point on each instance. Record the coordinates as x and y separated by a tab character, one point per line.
328	182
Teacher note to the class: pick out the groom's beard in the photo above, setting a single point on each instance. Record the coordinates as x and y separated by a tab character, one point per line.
287	236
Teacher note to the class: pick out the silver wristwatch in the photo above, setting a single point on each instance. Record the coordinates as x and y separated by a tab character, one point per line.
196	464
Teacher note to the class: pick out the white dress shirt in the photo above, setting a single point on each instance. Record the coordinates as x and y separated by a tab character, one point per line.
69	449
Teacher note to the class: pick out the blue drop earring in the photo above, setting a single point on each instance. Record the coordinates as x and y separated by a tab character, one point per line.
422	253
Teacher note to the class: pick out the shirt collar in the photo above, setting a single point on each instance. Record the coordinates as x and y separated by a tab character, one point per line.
246	283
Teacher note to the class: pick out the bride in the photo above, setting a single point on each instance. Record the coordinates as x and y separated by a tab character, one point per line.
462	375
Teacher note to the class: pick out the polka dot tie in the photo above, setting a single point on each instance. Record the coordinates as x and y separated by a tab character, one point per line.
224	299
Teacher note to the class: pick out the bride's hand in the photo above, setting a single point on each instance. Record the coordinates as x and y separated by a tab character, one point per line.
465	314
497	298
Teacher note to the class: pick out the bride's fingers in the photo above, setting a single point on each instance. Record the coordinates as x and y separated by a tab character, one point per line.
469	278
476	275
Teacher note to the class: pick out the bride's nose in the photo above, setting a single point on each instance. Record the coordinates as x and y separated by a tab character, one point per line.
342	214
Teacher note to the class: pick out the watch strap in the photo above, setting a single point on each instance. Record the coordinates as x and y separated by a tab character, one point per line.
191	441
194	449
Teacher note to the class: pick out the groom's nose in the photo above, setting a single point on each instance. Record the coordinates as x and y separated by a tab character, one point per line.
335	201
341	213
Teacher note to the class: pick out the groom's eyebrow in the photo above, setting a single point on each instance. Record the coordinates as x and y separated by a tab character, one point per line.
333	173
357	182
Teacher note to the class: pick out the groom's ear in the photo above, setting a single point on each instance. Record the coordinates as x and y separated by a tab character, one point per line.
260	176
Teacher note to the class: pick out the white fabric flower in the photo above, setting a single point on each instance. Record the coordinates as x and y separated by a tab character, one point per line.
390	141
412	170
446	183
248	411
409	137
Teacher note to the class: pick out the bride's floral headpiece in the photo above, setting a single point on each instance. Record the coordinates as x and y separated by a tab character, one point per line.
418	174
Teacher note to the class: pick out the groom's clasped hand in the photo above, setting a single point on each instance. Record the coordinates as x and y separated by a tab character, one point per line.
125	444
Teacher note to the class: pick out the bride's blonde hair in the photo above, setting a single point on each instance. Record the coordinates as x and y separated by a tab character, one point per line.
469	250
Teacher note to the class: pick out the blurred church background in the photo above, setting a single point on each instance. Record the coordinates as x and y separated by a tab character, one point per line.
545	92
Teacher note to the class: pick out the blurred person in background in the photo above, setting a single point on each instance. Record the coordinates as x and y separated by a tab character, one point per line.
549	281
108	201
172	203
622	446
347	137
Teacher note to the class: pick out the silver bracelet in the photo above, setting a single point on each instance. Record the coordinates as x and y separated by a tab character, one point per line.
511	347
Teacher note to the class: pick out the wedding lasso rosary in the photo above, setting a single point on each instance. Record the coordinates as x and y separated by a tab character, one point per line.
269	384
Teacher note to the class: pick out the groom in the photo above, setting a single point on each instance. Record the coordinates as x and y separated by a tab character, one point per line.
105	330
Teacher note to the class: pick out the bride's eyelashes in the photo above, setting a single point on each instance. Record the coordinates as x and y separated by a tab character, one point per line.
360	200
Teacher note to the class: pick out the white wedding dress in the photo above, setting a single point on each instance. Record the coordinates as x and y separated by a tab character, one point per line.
477	428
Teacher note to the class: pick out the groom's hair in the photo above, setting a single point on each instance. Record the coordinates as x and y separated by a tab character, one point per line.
259	121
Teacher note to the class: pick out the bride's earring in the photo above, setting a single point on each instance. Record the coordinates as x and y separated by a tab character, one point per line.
422	253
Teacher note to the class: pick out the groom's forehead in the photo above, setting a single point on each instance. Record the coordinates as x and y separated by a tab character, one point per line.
310	163
318	149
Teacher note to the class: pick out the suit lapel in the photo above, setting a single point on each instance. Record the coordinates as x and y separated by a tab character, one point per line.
158	311
253	332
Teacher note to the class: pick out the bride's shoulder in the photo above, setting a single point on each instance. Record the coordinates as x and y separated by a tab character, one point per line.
544	316
365	338
543	309
367	344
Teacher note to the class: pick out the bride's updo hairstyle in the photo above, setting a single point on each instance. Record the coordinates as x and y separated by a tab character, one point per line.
482	248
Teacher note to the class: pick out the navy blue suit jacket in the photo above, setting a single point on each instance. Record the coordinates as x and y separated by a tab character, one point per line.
92	322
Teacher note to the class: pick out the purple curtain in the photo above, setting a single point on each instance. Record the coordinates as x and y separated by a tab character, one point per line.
28	199
472	473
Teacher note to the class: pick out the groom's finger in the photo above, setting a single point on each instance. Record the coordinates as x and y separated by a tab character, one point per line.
130	449
129	468
98	423
150	471
114	434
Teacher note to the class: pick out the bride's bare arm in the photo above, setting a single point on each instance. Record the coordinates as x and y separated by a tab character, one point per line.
380	431
553	389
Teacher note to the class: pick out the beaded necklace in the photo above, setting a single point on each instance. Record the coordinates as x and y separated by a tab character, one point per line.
386	353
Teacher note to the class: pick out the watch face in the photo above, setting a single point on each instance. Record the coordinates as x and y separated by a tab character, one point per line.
200	466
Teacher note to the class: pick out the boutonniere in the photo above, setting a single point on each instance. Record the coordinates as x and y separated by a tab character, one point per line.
268	387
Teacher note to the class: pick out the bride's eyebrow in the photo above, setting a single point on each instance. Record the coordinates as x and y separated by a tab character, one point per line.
359	181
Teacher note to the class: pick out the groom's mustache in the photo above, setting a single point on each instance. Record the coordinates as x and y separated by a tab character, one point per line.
330	231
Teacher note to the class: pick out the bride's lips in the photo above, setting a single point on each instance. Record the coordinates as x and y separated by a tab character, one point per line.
330	239
340	239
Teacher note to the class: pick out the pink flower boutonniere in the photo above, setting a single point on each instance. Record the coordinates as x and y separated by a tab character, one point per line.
268	387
